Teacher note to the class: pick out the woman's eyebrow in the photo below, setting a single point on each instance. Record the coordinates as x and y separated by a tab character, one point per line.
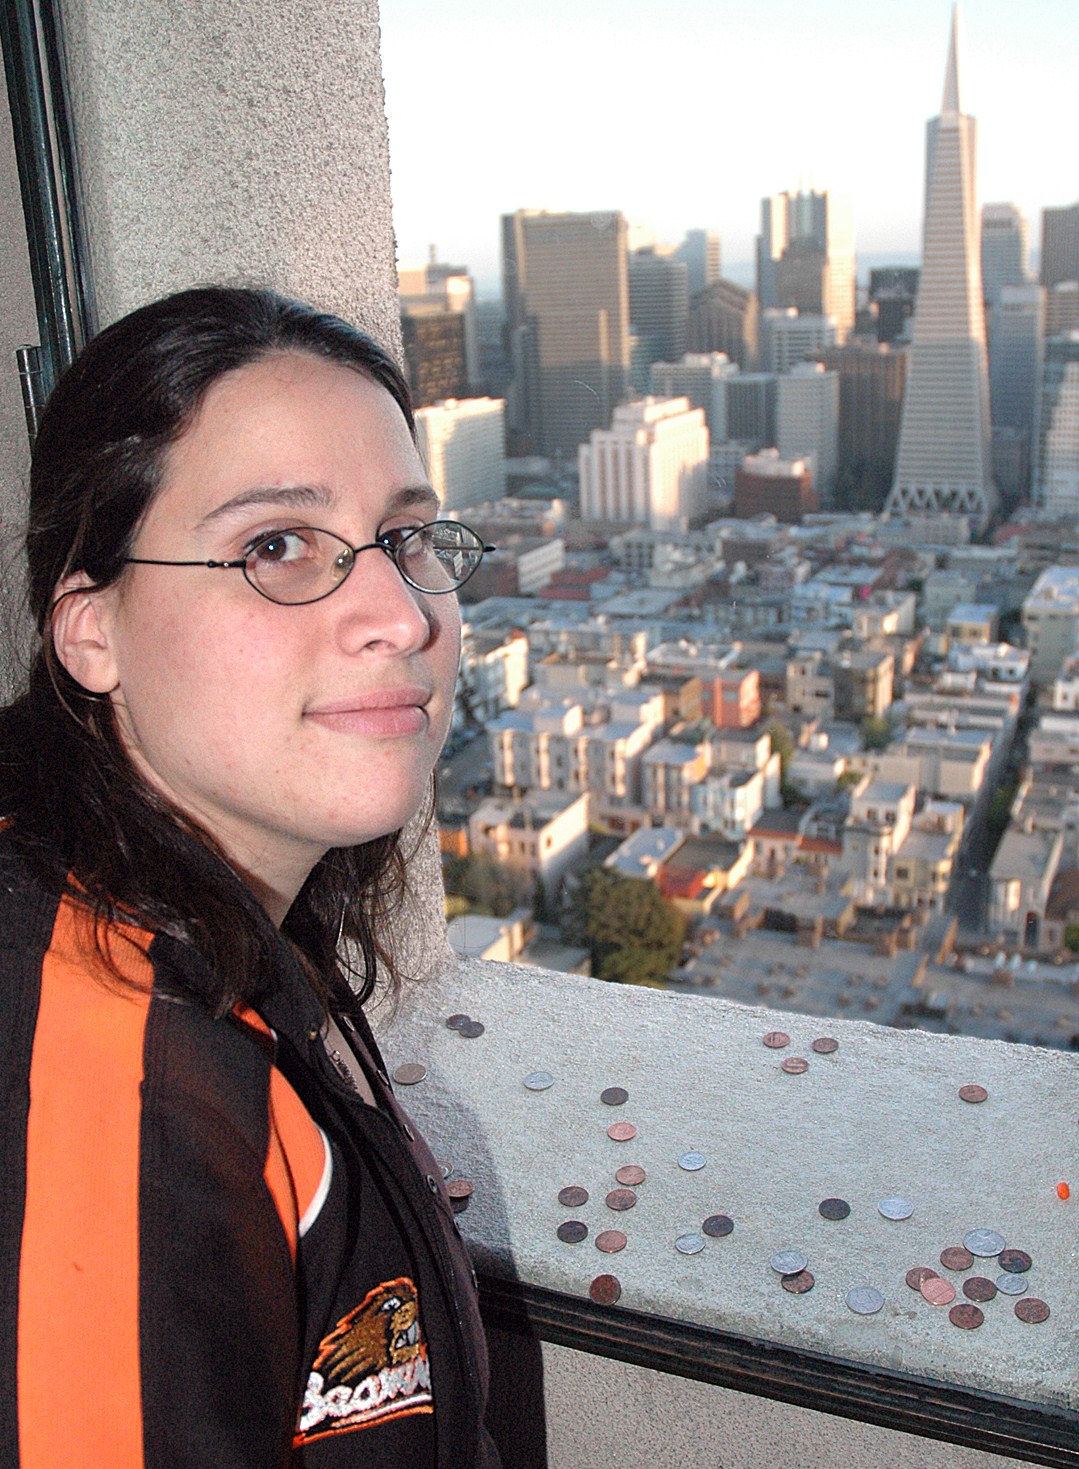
294	497
412	497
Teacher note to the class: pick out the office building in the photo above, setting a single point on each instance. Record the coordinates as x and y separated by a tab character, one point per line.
566	295
436	356
1056	474
805	256
462	443
943	463
1004	250
751	409
787	337
807	421
701	377
723	318
658	303
451	288
766	484
1060	245
893	290
871	380
700	253
1016	337
1062	308
649	468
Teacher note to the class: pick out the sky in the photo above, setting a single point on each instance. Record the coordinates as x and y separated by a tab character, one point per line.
684	116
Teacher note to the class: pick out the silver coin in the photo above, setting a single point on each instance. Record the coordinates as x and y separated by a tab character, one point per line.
864	1300
788	1262
984	1242
894	1207
689	1244
1011	1285
692	1161
539	1081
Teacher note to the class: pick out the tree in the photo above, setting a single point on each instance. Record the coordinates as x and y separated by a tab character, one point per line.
488	886
782	745
1071	937
634	934
876	732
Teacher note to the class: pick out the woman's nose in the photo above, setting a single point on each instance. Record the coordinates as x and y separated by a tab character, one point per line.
376	606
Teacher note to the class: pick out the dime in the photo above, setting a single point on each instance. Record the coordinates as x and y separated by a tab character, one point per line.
454	1022
1032	1310
621	1198
968	1317
631	1175
718	1225
788	1262
977	1288
984	1242
539	1081
956	1258
794	1065
614	1096
610	1241
864	1300
689	1244
460	1188
1012	1285
917	1275
938	1292
824	1045
573	1196
973	1093
470	1029
605	1290
692	1162
775	1040
572	1232
410	1073
1015	1262
894	1207
833	1208
798	1284
622	1132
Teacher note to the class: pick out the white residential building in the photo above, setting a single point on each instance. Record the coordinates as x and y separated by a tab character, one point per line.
462	443
702	378
540	836
1051	621
807	420
649	468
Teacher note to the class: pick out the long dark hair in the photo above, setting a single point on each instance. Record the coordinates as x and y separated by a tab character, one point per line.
78	811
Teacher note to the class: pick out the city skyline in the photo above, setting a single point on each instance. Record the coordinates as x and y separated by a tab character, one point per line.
584	143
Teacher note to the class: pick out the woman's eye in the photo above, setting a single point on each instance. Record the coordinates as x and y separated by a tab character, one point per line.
283	545
414	540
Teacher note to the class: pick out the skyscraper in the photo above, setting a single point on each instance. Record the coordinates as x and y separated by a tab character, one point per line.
1016	336
700	252
649	468
805	256
944	464
1060	245
658	303
1056	475
1004	249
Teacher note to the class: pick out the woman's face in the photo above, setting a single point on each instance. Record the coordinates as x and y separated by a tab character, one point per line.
283	730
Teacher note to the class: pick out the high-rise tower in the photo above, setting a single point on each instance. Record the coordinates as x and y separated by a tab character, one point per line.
944	462
805	256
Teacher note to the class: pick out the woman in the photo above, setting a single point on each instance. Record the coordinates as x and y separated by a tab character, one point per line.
222	1243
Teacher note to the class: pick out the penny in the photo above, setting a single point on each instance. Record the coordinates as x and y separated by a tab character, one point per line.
917	1275
938	1292
798	1284
1032	1310
454	1022
460	1205
824	1045
610	1241
622	1132
410	1073
1012	1285
631	1175
973	1093
864	1300
718	1225
621	1198
894	1207
605	1290
539	1081
460	1188
572	1232
775	1040
984	1242
788	1262
573	1196
833	1208
692	1162
968	1317
1015	1262
614	1096
794	1065
956	1258
470	1029
977	1288
689	1244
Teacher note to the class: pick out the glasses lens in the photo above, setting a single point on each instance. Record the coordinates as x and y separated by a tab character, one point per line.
439	557
299	564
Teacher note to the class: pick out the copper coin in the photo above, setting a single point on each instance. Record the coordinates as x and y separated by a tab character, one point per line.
956	1258
410	1073
798	1284
977	1288
631	1175
973	1094
610	1241
454	1022
824	1045
775	1040
938	1292
621	1198
833	1208
614	1096
1015	1262
794	1065
622	1132
460	1205
605	1290
918	1274
470	1029
573	1196
718	1225
1032	1310
572	1232
460	1188
968	1317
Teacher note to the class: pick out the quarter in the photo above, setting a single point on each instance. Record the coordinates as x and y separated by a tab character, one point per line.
788	1262
984	1242
895	1207
410	1073
864	1300
689	1244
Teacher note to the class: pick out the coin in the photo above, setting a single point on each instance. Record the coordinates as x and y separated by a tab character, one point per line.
621	1198
1015	1262
689	1244
973	1093
692	1162
775	1040
798	1284
605	1290
460	1188
454	1022
410	1073
572	1232
614	1096
788	1262
824	1045
938	1292
894	1207
622	1132
460	1205
470	1029
977	1288
984	1242
573	1196
833	1208
631	1175
956	1258
864	1300
918	1274
968	1317
1012	1285
610	1241
718	1225
446	1169
794	1065
1032	1310
539	1081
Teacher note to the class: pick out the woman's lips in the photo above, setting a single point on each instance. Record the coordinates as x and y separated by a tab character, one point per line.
379	714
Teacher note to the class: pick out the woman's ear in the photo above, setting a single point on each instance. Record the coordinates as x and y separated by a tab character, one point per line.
80	634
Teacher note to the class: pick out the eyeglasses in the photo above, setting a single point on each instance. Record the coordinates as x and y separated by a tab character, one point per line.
303	564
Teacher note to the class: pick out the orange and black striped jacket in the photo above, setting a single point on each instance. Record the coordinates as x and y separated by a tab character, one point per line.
212	1252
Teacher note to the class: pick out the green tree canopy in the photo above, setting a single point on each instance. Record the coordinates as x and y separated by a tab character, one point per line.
488	887
633	933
